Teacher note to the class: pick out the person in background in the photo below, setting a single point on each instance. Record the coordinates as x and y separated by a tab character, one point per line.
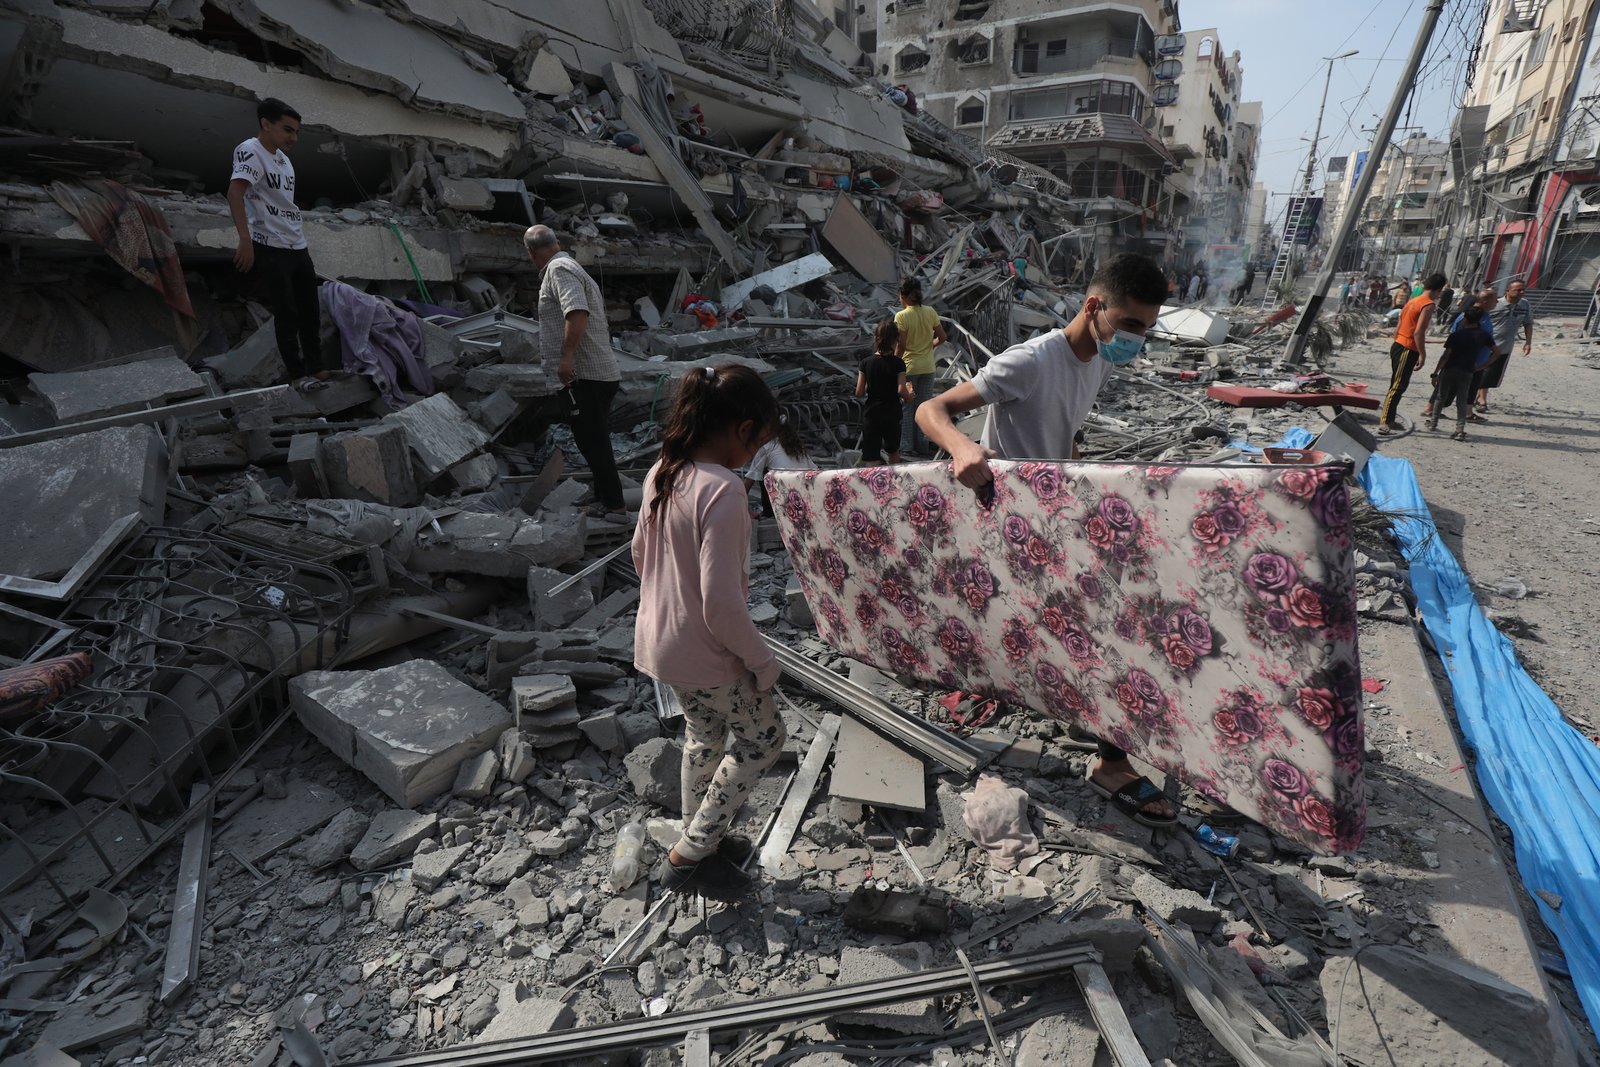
1409	352
575	338
1196	281
272	241
1344	293
920	333
1399	294
784	452
691	548
1447	299
882	381
1511	318
1468	345
1039	392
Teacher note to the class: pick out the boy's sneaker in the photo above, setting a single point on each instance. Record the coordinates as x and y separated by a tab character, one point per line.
1459	435
1433	424
713	877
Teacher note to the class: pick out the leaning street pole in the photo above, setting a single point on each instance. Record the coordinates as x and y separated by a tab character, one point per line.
1358	196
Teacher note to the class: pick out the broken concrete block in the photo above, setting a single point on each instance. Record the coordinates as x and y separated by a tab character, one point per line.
655	768
517	761
498	546
75	488
608	609
504	865
475	474
547	75
535	693
439	434
495	411
406	727
1117	939
305	466
527	1018
861	964
475	777
1069	1039
796	610
1398	1006
463	194
392	835
555	610
429	870
335	840
371	464
41	1054
392	902
253	364
92	394
604	731
1175	904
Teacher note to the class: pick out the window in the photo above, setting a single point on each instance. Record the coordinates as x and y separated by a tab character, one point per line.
1544	111
1516	69
1502	86
1521	119
1569	29
971	112
1541	45
1207	46
970	51
868	41
1055	49
1167	131
911	58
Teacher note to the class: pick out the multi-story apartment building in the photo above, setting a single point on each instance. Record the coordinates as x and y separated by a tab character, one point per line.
1397	221
1523	151
1068	85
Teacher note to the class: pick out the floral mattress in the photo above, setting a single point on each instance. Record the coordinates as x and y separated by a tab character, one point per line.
1201	617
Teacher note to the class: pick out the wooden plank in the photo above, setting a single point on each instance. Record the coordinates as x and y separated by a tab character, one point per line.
1109	1017
872	770
794	808
625	86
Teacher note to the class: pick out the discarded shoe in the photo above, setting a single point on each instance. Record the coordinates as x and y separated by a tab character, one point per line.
713	877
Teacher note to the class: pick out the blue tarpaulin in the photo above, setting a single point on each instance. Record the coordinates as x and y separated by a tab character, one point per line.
1541	776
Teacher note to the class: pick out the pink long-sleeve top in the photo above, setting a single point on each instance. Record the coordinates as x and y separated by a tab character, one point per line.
694	627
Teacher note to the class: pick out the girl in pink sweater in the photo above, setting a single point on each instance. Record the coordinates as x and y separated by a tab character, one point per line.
694	631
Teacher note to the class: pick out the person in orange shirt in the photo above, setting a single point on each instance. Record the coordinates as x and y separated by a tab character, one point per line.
1409	352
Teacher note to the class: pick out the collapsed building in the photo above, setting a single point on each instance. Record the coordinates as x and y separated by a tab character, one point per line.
320	727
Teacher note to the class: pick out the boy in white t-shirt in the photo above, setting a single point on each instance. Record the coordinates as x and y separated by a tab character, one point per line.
272	243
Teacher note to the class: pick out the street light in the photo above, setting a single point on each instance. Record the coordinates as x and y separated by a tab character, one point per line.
1316	138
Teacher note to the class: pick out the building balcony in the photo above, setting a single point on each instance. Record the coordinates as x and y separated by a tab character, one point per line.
1032	60
1093	40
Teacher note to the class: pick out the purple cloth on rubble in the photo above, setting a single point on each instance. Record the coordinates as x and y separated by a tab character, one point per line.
378	340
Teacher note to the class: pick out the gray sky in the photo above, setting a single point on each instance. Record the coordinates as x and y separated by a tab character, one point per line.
1281	45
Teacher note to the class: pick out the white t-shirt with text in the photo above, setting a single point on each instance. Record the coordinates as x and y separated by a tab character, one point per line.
269	202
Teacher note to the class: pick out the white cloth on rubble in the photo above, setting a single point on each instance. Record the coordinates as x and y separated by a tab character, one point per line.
997	816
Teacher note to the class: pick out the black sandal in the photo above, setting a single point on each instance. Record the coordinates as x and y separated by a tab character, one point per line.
1131	799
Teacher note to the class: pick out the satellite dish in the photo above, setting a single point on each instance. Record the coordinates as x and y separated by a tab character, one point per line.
1164	95
1171	44
1167	70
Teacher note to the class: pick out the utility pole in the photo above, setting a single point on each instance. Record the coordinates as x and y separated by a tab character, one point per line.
1296	345
1316	138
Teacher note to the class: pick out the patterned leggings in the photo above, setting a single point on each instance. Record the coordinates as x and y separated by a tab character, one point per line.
718	776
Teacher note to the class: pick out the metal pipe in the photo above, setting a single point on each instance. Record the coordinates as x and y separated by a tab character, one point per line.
593	1041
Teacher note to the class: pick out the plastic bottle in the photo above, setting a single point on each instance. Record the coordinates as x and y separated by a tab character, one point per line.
627	857
1217	843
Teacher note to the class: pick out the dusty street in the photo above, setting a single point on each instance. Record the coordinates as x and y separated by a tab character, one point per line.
1518	500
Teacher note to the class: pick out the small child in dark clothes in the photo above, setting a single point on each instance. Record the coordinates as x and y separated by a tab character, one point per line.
882	381
1466	345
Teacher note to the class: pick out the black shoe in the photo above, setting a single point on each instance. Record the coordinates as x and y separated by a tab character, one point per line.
736	848
713	877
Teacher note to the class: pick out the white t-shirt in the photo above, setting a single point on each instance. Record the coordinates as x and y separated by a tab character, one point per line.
772	457
1040	391
269	202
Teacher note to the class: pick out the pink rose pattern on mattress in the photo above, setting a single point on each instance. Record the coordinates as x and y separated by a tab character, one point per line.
1203	618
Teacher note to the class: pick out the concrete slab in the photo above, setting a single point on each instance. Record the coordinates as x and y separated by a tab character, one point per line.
253	363
406	727
498	546
393	836
75	488
858	963
439	433
371	464
87	1024
92	394
871	770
